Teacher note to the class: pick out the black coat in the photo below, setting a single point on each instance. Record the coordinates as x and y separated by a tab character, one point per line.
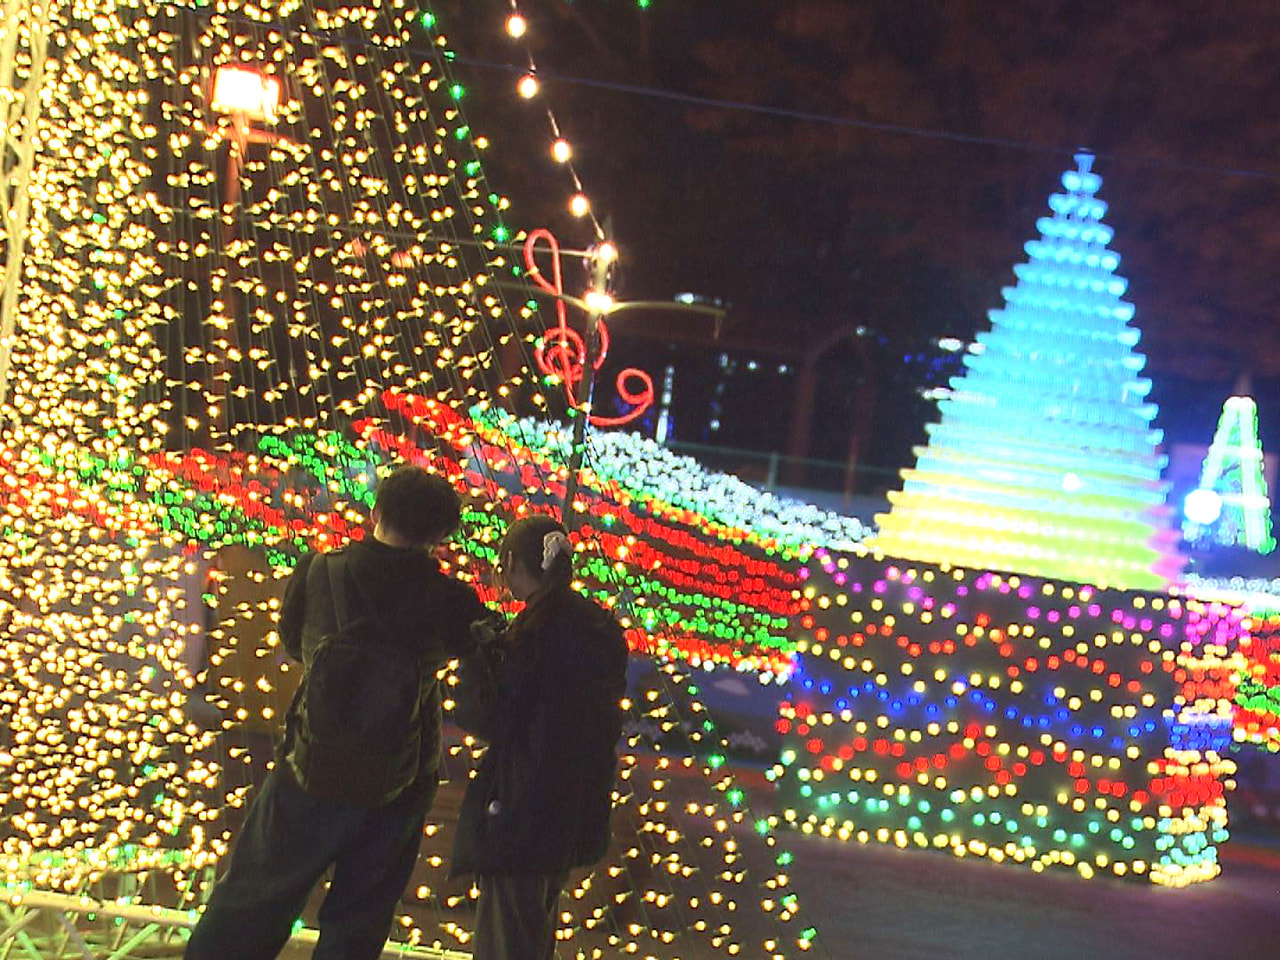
406	590
547	698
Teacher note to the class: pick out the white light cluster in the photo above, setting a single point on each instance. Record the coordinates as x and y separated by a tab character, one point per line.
641	465
1259	594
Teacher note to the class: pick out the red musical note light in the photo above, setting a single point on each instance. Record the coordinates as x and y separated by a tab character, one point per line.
563	353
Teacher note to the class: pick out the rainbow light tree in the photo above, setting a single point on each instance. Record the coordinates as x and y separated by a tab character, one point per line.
1230	507
1045	459
1066	712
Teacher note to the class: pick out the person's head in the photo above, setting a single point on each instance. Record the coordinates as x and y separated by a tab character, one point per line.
415	508
534	555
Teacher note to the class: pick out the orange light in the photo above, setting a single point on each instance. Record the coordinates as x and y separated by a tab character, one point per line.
246	91
528	86
561	151
601	302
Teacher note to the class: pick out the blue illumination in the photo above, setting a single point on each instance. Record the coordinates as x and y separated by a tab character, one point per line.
1045	460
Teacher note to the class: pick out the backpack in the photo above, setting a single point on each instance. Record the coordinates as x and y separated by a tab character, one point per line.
356	734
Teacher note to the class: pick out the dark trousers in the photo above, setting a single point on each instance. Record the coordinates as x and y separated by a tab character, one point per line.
516	917
284	848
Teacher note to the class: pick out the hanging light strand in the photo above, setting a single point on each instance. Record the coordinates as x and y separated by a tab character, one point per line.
529	88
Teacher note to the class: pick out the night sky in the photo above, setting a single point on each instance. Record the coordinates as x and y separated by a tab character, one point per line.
807	225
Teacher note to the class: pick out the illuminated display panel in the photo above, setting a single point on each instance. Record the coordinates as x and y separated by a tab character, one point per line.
1016	718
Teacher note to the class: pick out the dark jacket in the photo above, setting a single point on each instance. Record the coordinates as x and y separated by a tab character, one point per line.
547	698
409	595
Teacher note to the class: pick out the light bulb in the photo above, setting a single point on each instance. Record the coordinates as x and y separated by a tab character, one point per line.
561	151
579	205
516	26
528	86
598	301
1202	506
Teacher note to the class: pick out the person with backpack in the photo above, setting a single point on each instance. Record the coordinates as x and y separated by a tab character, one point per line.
545	694
358	768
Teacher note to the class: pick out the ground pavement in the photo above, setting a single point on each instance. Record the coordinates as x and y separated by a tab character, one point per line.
879	903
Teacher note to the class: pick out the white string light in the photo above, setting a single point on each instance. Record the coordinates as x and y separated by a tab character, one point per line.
528	87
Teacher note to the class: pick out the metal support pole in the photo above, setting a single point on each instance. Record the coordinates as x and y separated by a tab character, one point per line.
600	267
663	428
228	352
151	923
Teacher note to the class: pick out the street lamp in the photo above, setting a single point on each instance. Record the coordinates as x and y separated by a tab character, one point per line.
246	95
246	92
574	358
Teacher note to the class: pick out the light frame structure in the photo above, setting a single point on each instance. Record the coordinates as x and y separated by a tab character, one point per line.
1233	474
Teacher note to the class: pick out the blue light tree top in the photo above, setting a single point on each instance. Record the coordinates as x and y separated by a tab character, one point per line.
1045	460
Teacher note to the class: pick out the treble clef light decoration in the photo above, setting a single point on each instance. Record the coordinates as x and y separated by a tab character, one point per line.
563	352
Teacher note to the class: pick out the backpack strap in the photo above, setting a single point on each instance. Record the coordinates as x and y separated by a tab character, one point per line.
336	565
339	578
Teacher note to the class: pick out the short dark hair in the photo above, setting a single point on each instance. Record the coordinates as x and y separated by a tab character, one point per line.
418	505
524	541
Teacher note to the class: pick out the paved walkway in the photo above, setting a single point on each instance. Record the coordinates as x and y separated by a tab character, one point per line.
877	903
885	904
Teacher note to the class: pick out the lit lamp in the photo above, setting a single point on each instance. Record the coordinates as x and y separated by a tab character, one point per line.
246	92
247	95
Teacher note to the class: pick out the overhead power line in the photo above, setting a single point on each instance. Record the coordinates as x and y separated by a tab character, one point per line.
902	129
803	116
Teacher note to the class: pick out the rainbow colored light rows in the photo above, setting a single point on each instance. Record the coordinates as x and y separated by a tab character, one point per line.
1012	717
700	590
1045	459
1257	696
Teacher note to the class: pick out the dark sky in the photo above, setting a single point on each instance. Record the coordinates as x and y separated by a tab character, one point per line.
807	226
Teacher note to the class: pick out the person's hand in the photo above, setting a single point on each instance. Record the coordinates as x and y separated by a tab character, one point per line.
487	634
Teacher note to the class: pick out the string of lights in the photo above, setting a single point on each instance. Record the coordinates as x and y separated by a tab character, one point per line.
529	88
885	127
256	298
1013	718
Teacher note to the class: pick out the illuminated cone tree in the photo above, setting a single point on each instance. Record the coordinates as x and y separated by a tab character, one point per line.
1045	460
1230	507
262	263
